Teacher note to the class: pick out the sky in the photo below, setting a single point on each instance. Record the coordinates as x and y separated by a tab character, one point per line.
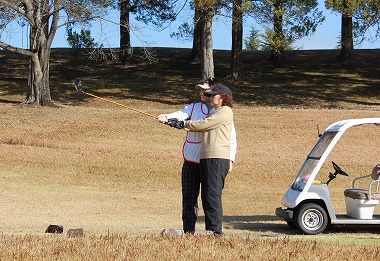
326	36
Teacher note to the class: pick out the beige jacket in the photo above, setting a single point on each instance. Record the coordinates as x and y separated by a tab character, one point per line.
216	133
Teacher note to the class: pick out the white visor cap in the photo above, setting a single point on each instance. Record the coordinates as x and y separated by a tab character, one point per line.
203	85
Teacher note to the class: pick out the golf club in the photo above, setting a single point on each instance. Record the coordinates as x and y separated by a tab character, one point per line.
78	87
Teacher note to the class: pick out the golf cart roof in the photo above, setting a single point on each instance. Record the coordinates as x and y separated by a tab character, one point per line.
345	124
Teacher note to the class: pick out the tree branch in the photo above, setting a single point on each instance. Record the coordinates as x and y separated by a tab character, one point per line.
15	49
13	6
54	23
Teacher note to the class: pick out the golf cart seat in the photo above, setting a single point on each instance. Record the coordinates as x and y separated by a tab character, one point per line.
373	189
360	203
361	194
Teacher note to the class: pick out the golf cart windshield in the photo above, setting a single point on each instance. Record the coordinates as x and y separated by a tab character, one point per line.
312	160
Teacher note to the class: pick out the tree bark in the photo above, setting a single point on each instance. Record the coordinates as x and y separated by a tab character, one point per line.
125	35
207	58
237	41
277	55
197	37
38	89
347	45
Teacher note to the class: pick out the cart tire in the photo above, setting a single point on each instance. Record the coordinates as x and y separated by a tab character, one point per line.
312	219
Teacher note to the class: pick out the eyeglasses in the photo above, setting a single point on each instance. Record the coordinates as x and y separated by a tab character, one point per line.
203	93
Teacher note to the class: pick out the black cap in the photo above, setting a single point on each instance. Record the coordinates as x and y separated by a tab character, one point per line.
220	89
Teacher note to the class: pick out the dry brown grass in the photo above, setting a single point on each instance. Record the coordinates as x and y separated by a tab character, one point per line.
147	247
116	174
111	171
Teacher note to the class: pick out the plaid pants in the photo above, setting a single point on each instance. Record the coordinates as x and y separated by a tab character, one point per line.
190	192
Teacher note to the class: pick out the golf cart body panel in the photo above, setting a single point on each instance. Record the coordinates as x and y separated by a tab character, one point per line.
307	201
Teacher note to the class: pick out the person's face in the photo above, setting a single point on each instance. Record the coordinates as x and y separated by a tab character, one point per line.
204	98
216	100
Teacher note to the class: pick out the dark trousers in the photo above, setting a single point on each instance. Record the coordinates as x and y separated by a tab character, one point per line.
213	174
190	192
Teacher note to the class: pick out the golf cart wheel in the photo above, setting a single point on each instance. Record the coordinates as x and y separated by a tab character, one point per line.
312	219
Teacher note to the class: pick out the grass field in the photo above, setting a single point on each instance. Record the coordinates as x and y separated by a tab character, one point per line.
116	173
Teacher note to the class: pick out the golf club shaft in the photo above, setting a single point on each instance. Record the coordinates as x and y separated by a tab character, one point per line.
119	104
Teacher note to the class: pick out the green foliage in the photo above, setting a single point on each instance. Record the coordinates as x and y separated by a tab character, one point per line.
268	41
206	3
155	12
368	16
82	40
348	7
365	15
252	42
291	20
271	42
185	32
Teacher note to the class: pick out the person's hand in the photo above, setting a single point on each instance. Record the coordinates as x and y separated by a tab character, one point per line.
230	169
175	123
162	118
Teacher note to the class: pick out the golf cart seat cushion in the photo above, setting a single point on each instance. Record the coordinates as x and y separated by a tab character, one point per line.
361	194
375	175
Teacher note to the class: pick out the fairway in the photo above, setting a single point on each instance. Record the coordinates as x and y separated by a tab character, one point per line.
107	169
116	173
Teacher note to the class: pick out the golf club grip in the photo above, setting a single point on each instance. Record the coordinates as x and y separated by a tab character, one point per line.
121	105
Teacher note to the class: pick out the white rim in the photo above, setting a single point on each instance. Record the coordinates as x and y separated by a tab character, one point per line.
312	219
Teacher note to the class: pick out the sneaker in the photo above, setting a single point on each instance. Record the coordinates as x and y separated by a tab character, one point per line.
189	232
218	234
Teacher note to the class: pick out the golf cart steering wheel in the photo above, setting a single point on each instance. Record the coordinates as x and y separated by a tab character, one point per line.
338	169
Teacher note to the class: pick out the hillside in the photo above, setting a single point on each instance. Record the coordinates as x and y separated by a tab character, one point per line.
307	79
117	173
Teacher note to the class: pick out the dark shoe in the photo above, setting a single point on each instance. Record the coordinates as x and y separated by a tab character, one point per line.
189	232
218	235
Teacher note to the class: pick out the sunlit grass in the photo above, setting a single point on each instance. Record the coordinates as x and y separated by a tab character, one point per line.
124	247
116	173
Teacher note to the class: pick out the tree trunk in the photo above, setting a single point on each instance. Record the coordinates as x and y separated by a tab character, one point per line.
346	39
237	41
125	35
197	37
207	59
44	57
30	90
38	90
277	55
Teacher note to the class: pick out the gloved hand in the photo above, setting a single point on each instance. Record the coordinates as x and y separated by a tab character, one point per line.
175	123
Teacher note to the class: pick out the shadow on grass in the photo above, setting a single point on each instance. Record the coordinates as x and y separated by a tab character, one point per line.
306	79
9	101
273	226
266	225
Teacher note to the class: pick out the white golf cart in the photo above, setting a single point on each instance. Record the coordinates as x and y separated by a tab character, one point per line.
307	201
